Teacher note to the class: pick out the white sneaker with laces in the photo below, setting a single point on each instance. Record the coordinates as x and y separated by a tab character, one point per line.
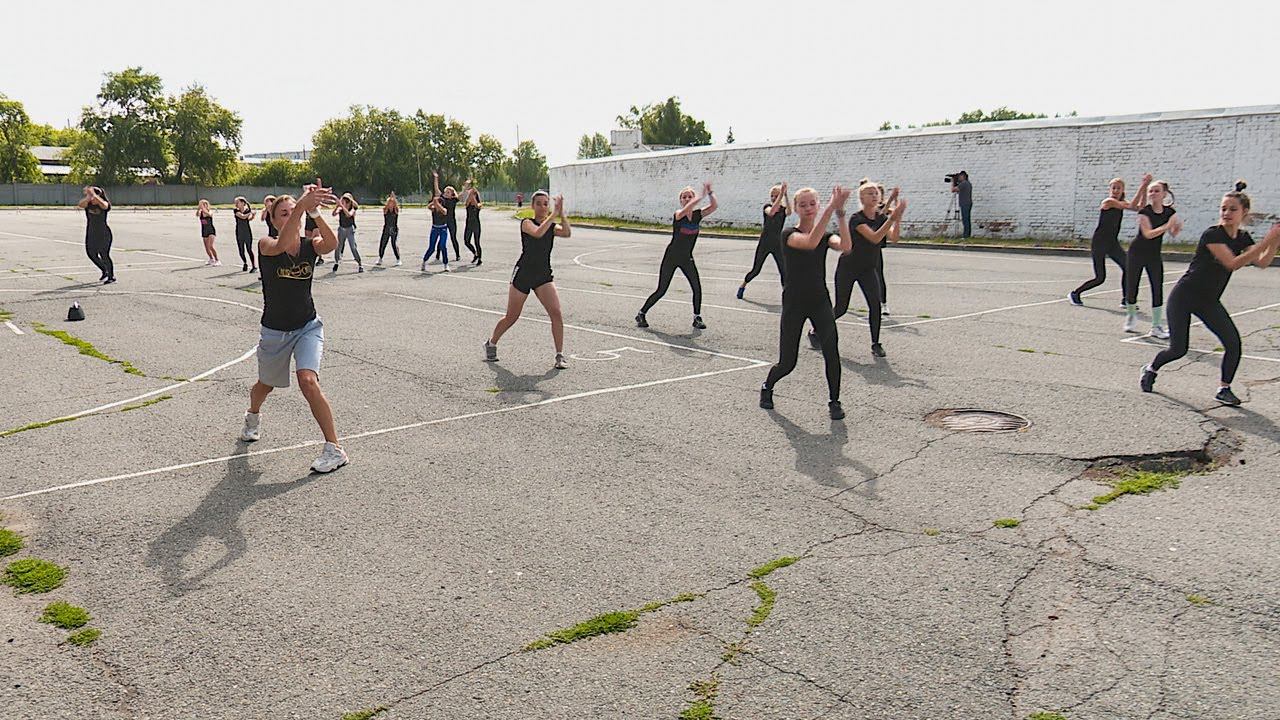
1159	332
398	263
331	458
561	363
252	431
1131	324
217	263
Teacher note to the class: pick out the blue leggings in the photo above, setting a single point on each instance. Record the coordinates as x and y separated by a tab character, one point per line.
439	234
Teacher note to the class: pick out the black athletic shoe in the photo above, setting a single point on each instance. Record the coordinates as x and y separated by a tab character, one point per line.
1074	297
1226	397
741	290
640	321
244	267
877	349
697	322
766	398
108	281
814	342
1148	381
837	412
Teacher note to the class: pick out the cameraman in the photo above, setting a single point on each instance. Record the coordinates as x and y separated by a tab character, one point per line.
960	185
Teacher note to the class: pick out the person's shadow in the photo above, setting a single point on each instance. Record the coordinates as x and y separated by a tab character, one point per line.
820	456
880	372
686	347
520	389
216	518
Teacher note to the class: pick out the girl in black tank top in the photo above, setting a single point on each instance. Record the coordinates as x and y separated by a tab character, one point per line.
390	228
533	274
207	233
244	235
97	233
1106	237
685	225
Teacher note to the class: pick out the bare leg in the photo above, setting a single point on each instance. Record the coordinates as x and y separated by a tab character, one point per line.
309	384
515	305
257	394
550	300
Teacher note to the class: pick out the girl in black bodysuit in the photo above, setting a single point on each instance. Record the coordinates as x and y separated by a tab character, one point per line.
685	224
207	232
1154	220
244	235
1106	237
471	231
390	228
770	242
97	233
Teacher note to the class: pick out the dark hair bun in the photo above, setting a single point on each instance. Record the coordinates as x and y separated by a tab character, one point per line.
1241	185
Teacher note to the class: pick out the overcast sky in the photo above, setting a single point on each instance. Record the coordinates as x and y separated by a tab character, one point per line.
771	70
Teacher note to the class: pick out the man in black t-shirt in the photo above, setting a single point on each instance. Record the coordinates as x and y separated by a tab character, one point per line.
964	191
291	329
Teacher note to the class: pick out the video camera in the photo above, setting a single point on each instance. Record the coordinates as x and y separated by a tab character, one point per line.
952	178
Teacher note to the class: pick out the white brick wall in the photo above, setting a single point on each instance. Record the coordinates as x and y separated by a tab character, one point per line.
1033	178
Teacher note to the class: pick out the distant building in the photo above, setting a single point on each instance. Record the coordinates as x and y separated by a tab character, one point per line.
296	156
627	141
53	162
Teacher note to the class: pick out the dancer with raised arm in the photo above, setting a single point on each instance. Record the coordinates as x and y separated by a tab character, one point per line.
291	329
244	235
805	297
346	212
1154	220
1106	237
685	225
390	228
1223	249
533	274
770	242
471	231
97	233
208	234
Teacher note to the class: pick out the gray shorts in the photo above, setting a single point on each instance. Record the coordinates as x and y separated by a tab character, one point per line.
305	345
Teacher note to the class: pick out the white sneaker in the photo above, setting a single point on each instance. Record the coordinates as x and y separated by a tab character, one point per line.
331	458
1159	332
209	262
884	309
446	267
252	431
217	263
561	363
398	263
1131	324
379	262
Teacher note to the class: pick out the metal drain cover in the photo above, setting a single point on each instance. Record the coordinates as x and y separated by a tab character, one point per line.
976	420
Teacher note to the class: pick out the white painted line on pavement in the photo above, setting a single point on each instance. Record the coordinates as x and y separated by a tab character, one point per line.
9	324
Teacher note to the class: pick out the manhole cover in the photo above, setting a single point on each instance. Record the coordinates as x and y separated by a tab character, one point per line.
975	420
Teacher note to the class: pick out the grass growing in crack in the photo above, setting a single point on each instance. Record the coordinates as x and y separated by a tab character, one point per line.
659	604
613	622
1006	522
1026	350
366	714
86	348
65	615
88	636
731	651
932	532
493	390
1199	600
1138	482
5	314
146	403
32	575
38	425
10	542
703	706
767	597
1046	716
772	565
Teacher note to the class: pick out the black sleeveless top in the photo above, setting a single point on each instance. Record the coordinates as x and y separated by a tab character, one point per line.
286	288
806	269
242	228
206	225
390	218
345	220
772	230
450	208
535	252
684	233
96	228
473	214
1109	224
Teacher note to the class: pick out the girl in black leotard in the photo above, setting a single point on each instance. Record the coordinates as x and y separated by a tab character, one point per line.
267	202
679	253
770	242
870	229
97	234
805	297
1154	220
244	235
1106	237
390	228
533	274
1223	249
207	232
471	231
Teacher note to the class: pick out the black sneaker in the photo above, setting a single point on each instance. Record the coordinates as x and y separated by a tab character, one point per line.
877	349
640	321
766	398
697	322
837	412
814	342
1226	397
108	281
244	267
1074	297
1148	381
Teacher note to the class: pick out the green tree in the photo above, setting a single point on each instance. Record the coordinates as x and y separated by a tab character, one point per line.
489	163
205	138
275	173
528	167
444	145
54	137
371	149
339	155
17	164
127	128
666	124
593	146
729	140
1000	113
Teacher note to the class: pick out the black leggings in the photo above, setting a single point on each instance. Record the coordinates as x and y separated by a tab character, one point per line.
1101	249
668	271
99	251
1144	256
1182	305
245	245
884	287
764	249
469	232
869	279
817	310
390	233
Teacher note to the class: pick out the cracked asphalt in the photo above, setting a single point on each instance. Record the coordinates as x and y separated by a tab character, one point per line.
489	504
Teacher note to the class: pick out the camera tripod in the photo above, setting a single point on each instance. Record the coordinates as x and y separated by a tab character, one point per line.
952	217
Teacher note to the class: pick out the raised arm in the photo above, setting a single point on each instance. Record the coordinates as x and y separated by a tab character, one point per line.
845	242
896	233
562	228
1260	255
711	206
536	230
687	210
435	174
1140	197
875	236
1148	232
810	240
778	202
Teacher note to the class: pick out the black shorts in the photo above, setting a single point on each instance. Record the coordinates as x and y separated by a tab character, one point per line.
528	279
